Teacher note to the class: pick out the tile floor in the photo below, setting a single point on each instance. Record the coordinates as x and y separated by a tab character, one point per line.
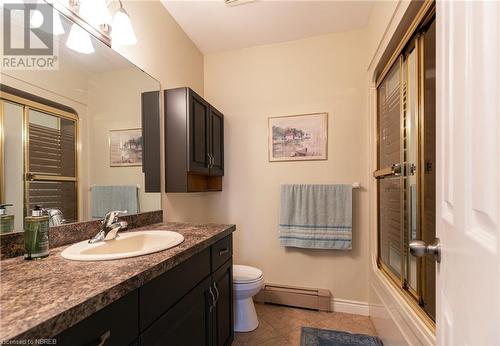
280	326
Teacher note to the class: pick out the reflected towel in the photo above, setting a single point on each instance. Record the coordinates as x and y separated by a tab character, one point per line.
316	216
108	198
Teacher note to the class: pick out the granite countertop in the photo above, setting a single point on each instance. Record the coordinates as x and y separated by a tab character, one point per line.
40	299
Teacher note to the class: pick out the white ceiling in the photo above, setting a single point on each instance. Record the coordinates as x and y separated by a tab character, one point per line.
215	27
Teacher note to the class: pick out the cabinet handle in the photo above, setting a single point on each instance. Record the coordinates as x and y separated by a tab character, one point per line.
223	252
104	337
213	298
216	291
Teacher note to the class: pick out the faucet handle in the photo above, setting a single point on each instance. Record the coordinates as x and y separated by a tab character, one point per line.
112	216
118	213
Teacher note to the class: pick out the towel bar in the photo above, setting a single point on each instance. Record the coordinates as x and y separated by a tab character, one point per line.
91	186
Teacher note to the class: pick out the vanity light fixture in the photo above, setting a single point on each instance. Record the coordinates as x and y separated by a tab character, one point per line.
122	32
95	12
79	40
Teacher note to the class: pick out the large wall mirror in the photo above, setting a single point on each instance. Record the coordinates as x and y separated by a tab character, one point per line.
71	137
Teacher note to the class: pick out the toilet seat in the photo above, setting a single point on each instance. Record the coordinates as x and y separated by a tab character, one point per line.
245	274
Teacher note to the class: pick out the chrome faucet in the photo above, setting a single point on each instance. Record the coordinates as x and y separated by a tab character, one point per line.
110	227
56	217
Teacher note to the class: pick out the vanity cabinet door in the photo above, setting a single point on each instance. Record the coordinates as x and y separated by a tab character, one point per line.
223	311
216	142
162	293
187	323
114	325
198	139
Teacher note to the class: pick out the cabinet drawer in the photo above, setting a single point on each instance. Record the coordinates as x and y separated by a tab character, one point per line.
222	251
116	324
160	294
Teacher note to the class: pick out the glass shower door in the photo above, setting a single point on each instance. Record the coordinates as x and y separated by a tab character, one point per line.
406	172
390	182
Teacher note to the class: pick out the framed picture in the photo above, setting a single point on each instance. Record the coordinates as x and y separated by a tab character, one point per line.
298	137
125	147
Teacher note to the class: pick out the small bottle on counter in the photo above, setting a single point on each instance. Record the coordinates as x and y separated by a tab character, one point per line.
36	234
6	221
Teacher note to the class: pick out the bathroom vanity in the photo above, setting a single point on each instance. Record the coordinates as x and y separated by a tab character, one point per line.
180	296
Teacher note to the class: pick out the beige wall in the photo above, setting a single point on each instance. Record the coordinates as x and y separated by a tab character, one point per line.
319	74
166	52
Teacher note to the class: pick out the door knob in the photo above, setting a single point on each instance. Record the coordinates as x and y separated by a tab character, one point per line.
419	248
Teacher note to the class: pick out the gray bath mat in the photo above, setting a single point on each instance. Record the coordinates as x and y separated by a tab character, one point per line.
323	337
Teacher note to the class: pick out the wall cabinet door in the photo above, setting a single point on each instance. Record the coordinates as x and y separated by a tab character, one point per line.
199	145
150	109
223	311
216	142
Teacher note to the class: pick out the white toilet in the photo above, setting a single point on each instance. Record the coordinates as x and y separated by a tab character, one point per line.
247	282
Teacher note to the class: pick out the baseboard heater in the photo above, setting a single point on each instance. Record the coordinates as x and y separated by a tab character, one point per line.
309	298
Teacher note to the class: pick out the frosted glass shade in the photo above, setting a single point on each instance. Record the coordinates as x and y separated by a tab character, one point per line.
79	40
122	32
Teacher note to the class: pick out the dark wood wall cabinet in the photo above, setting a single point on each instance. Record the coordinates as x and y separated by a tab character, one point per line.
194	143
189	305
150	112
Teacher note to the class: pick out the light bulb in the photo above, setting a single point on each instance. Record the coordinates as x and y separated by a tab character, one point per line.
95	12
79	40
37	20
122	32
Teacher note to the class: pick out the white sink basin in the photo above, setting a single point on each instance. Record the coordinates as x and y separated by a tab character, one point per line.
129	244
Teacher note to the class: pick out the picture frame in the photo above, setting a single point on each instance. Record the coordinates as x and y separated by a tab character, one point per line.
302	137
125	147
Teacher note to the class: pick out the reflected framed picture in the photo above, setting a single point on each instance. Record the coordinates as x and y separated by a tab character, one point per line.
125	147
301	137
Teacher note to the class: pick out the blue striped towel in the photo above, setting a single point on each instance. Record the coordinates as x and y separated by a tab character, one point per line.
109	198
316	216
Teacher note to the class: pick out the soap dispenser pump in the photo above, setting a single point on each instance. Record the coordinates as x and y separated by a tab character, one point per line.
6	221
36	234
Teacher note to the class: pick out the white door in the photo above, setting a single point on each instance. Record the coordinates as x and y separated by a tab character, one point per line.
468	166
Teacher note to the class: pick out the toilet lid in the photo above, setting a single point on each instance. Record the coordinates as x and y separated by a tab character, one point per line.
244	274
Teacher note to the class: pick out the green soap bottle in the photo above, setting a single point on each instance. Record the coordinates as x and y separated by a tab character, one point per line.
36	234
6	221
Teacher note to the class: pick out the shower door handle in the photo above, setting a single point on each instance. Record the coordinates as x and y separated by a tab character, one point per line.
419	248
394	170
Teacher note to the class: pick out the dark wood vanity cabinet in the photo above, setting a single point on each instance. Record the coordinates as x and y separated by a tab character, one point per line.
194	143
204	316
189	305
